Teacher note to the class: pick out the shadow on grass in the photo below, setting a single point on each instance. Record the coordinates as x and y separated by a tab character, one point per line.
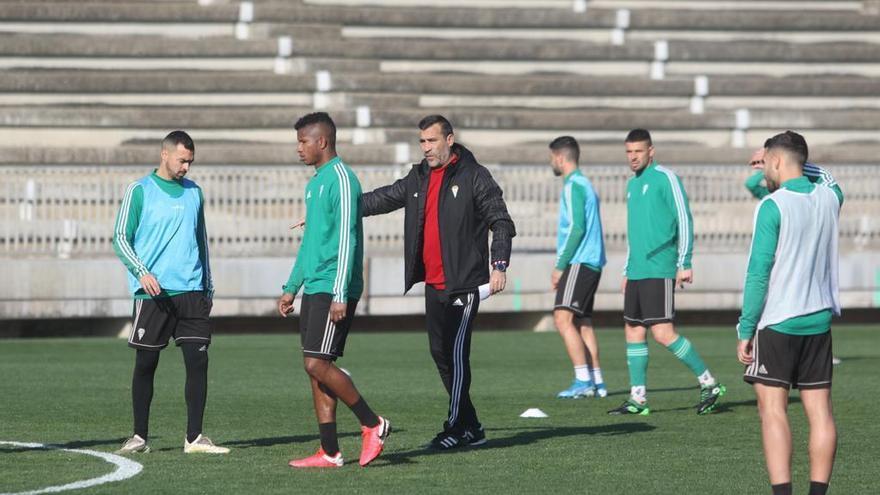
726	407
271	441
522	436
653	390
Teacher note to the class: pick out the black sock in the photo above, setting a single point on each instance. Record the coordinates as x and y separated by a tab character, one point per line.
364	414
818	488
145	364
782	489
195	357
329	442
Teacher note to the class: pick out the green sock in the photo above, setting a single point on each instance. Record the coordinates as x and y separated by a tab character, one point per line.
637	362
686	353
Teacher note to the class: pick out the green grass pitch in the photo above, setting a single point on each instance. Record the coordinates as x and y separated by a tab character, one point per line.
75	393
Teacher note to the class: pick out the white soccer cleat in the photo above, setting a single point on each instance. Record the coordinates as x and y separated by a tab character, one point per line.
203	445
134	445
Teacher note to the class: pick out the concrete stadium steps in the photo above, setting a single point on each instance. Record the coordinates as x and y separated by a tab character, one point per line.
854	5
122	82
756	18
431	56
253	117
69	45
349	90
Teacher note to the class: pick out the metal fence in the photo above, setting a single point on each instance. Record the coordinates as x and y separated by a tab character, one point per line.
69	211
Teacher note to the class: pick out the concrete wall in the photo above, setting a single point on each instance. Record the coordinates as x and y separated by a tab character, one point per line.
96	288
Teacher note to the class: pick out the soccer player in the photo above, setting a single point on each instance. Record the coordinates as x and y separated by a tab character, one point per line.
789	297
451	202
813	173
329	269
660	243
160	237
580	256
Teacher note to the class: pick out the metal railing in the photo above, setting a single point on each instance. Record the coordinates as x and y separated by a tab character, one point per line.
69	211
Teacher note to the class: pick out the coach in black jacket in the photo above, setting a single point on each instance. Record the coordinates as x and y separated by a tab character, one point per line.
451	203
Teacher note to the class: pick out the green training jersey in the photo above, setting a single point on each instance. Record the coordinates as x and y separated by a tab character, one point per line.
659	225
331	256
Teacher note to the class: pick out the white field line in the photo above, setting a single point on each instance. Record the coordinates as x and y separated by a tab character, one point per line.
125	468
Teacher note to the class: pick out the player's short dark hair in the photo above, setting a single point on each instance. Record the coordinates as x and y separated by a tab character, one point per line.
175	138
637	136
791	142
318	118
568	146
430	120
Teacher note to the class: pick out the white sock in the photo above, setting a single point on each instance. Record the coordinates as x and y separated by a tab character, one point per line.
582	373
639	394
706	379
597	376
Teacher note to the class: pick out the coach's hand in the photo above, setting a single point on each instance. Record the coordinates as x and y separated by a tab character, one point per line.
623	286
285	304
497	281
150	285
554	278
744	351
337	311
684	277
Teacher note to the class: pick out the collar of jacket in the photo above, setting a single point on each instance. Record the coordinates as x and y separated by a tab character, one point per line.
465	159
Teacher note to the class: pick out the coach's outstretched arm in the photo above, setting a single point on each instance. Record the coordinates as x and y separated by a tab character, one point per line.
385	199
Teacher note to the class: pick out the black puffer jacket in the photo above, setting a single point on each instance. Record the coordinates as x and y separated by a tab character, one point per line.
465	218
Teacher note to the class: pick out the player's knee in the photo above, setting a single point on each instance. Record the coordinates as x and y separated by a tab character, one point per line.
195	356
562	319
664	334
315	367
145	362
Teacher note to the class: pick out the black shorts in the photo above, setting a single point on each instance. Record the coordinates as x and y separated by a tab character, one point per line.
320	337
183	317
649	301
790	361
576	290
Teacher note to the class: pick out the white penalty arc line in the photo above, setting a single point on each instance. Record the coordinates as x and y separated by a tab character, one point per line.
125	468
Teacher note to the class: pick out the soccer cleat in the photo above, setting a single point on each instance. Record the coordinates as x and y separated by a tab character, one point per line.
373	440
203	445
474	437
601	391
577	389
630	406
319	459
835	360
709	397
134	445
447	440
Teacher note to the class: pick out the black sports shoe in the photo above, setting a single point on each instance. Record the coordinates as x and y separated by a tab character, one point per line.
709	397
474	437
630	406
447	440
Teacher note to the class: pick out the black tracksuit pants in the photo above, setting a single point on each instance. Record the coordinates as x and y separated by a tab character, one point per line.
449	320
